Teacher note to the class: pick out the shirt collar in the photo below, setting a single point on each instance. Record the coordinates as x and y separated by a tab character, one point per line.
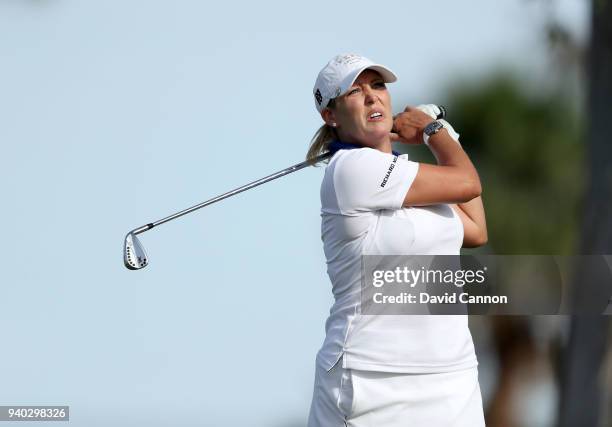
337	145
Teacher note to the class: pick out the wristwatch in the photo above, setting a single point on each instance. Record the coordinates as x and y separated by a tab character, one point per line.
431	129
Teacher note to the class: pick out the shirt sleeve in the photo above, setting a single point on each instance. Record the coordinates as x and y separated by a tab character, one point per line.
368	180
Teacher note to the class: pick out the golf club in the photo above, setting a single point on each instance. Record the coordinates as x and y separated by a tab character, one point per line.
134	255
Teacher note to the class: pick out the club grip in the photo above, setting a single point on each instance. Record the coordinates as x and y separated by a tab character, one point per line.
442	112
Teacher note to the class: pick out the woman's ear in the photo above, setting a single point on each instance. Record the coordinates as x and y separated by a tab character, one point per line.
329	117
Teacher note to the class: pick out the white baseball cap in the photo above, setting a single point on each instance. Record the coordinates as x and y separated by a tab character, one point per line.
339	75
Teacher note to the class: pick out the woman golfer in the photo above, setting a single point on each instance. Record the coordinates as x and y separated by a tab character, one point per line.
391	370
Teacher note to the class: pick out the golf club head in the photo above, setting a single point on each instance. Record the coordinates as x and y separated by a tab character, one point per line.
134	255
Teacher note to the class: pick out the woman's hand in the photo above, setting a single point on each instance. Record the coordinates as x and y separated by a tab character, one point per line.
408	126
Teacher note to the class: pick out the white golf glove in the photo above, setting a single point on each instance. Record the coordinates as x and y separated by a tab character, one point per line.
433	110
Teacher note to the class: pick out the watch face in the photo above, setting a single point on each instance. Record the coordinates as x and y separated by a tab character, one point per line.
432	128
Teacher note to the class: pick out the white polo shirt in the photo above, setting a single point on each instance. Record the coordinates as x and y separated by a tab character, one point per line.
361	208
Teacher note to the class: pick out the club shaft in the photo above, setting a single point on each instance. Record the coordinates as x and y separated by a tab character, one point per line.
233	192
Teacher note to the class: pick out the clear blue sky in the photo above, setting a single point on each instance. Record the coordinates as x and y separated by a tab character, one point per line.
115	114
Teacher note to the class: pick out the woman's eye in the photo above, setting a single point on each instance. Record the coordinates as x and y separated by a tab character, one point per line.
353	91
380	85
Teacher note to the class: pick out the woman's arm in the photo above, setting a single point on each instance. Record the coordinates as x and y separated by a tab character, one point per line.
453	180
474	222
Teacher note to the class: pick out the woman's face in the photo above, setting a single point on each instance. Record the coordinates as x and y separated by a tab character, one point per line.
363	114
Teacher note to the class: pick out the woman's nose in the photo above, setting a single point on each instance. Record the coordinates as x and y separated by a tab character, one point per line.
370	96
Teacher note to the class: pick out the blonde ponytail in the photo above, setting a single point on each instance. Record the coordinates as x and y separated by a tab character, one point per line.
321	139
320	142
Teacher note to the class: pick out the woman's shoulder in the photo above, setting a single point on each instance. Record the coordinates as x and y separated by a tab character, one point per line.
344	166
355	161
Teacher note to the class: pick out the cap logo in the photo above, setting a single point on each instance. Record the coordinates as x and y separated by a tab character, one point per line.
348	59
318	97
